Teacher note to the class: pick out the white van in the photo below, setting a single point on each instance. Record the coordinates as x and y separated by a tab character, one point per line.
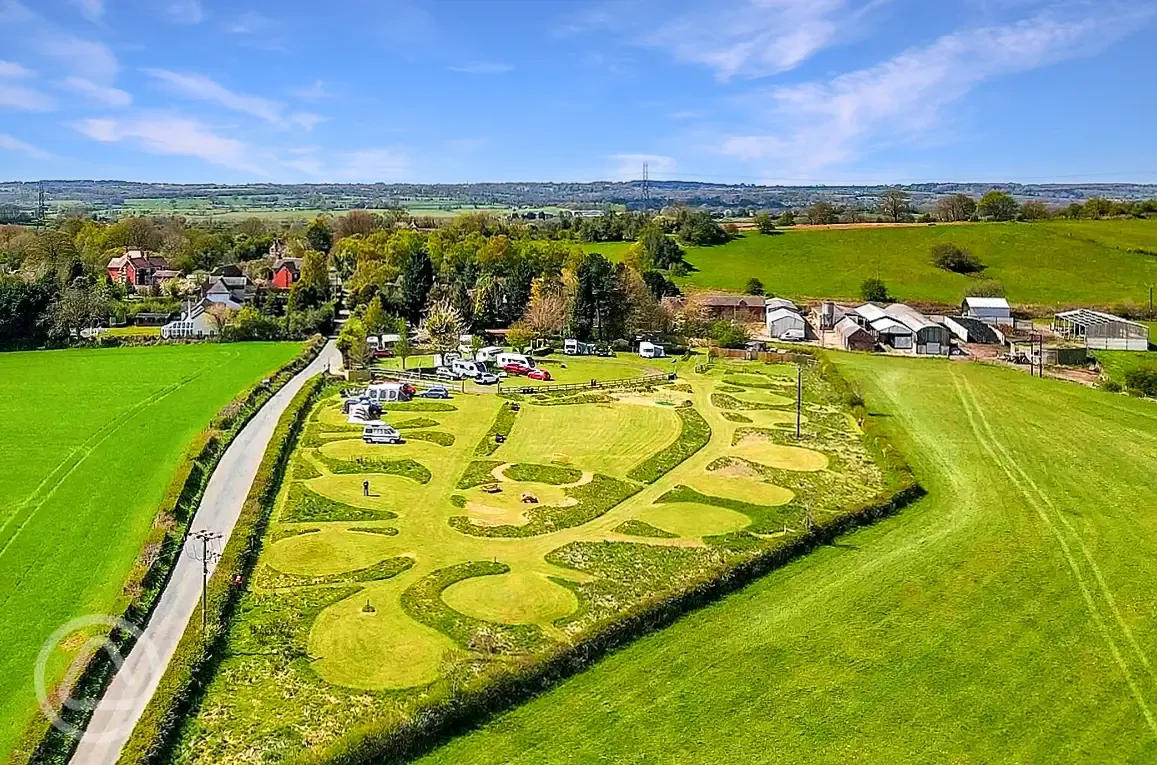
514	358
488	354
467	368
378	432
384	392
651	351
577	348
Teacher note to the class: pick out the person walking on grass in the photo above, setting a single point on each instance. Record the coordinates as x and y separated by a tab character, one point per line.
365	488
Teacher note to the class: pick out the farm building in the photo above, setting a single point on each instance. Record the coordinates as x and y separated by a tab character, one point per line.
745	308
970	330
990	310
930	338
853	337
286	271
775	302
1102	331
892	333
781	321
829	314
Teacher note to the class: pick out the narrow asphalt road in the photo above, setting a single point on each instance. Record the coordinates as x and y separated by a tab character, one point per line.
131	689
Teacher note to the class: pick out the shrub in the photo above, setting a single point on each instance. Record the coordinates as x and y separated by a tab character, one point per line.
874	290
1143	380
985	288
754	287
1112	386
433	436
729	334
955	259
693	436
636	528
407	468
477	473
503	424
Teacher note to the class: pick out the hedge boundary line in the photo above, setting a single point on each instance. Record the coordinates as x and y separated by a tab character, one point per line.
194	662
694	434
42	743
523	680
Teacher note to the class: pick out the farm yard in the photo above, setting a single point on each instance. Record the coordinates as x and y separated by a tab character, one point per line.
503	531
1005	617
89	442
1046	264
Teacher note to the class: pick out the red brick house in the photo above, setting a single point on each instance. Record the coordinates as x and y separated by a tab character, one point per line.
286	271
139	268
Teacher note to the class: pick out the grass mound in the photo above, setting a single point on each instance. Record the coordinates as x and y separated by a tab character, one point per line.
406	468
303	505
636	528
693	436
270	578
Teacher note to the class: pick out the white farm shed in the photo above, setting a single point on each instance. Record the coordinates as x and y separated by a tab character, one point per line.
931	339
990	310
781	320
1102	331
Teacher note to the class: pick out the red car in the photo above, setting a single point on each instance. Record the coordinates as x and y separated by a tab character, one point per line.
515	368
538	374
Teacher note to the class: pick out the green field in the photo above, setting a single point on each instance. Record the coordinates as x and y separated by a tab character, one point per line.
1047	264
89	441
367	609
1006	617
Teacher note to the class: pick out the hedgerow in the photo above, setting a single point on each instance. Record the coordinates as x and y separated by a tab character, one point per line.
407	468
269	578
552	474
594	499
422	601
151	570
503	424
735	417
694	434
419	406
303	505
636	528
477	473
438	437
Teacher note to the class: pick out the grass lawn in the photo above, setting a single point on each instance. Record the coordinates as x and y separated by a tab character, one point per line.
89	440
1116	363
508	551
1047	264
1006	617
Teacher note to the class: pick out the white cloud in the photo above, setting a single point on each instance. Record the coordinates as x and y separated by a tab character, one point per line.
25	99
100	94
173	135
822	124
186	11
92	9
86	58
251	23
204	89
10	70
629	167
755	38
314	92
482	67
15	145
306	120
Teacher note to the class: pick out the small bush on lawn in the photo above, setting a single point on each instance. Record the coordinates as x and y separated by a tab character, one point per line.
1112	386
552	474
693	436
1142	380
955	259
306	506
736	417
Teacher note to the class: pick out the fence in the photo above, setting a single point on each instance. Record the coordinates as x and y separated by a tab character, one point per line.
790	358
652	379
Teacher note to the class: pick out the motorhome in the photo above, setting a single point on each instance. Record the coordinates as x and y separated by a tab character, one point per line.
378	432
467	368
514	358
577	348
388	392
651	351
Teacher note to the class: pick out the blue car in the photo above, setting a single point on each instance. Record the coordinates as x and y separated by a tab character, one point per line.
435	392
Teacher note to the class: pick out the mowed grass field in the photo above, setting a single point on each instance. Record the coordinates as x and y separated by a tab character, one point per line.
89	440
1048	264
1006	617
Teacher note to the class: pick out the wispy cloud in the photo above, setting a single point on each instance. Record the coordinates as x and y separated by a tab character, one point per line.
202	88
101	94
16	95
92	9
251	23
629	167
186	11
10	70
16	146
306	120
314	92
482	67
372	166
822	124
90	59
173	135
755	38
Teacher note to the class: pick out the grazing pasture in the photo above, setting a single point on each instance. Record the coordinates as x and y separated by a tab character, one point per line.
472	557
1006	617
89	441
1046	264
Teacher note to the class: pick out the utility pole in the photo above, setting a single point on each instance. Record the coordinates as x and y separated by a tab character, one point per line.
205	556
646	187
40	207
798	400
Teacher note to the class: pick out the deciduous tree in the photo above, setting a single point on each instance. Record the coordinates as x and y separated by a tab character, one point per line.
998	205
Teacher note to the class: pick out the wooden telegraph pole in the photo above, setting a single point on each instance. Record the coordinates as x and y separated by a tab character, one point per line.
798	399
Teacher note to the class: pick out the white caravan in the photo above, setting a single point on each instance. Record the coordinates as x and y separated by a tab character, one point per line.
378	432
651	351
577	348
514	358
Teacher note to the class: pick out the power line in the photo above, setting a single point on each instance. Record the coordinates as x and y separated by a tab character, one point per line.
646	188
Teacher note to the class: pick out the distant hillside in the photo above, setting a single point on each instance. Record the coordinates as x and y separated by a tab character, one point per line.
112	196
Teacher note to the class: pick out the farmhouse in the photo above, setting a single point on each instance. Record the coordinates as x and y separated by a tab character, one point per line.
196	322
781	321
286	271
930	338
1102	331
743	308
139	268
853	337
990	310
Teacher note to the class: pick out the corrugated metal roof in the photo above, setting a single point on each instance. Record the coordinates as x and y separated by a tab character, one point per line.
986	302
1085	317
847	327
782	313
870	312
908	316
889	326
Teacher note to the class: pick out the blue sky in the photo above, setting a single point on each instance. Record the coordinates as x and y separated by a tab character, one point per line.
772	91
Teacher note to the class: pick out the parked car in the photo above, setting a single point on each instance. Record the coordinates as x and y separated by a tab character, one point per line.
380	433
487	378
538	374
604	351
515	368
446	372
437	391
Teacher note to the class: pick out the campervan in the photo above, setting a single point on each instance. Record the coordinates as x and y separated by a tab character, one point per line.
384	392
466	368
378	432
650	350
488	354
514	358
577	348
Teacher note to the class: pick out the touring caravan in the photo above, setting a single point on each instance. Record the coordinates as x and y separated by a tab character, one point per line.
467	368
489	354
577	348
651	351
514	358
386	392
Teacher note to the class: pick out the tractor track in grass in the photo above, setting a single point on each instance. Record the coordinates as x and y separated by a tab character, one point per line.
105	432
1039	501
